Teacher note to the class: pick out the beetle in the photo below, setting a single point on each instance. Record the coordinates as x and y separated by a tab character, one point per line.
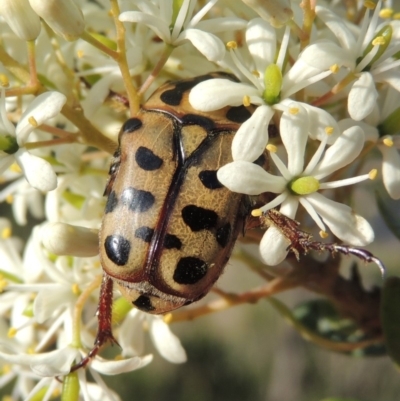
169	225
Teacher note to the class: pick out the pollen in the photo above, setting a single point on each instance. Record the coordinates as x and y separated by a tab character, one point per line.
80	53
328	130
386	13
168	318
256	73
294	110
379	41
256	213
4	82
369	4
388	142
231	45
6	233
372	174
15	168
271	148
75	289
334	68
32	121
246	101
323	234
12	331
10	199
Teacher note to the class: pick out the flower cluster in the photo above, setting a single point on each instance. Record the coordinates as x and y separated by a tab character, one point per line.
324	93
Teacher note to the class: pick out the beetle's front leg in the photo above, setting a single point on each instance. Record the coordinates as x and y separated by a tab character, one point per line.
104	314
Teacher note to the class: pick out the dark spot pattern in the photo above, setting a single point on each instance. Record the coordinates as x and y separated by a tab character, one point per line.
194	119
173	97
209	179
144	233
147	160
223	235
190	270
171	241
112	202
143	303
198	218
117	249
131	125
137	200
238	114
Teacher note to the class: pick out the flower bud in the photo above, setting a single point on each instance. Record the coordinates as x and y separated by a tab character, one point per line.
64	17
20	17
276	12
65	239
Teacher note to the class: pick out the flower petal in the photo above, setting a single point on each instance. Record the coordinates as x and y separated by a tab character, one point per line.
112	368
156	24
319	121
362	97
249	178
261	42
391	170
214	94
273	247
251	138
42	108
342	221
38	172
370	132
294	134
166	342
345	149
206	43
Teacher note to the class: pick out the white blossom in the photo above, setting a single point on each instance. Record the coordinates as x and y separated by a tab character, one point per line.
300	185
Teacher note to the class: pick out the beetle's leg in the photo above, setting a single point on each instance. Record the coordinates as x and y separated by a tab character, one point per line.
104	330
301	242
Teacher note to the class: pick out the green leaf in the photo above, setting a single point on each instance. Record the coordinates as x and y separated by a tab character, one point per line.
390	312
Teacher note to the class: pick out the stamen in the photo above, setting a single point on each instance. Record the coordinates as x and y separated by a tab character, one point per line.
75	289
334	68
386	13
323	234
388	142
379	41
372	174
256	212
4	82
246	101
294	110
329	130
167	318
6	233
231	45
12	331
369	4
271	148
32	121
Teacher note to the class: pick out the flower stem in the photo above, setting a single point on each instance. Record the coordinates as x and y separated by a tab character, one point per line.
133	95
157	68
32	63
96	43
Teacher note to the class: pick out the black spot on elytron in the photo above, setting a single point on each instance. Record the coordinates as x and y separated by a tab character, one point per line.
143	303
112	202
223	235
147	160
131	125
238	114
173	97
117	249
144	233
190	270
198	218
209	179
172	241
137	200
194	119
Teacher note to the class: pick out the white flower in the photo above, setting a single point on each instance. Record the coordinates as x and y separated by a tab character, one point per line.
300	185
36	170
269	88
185	27
131	336
367	52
